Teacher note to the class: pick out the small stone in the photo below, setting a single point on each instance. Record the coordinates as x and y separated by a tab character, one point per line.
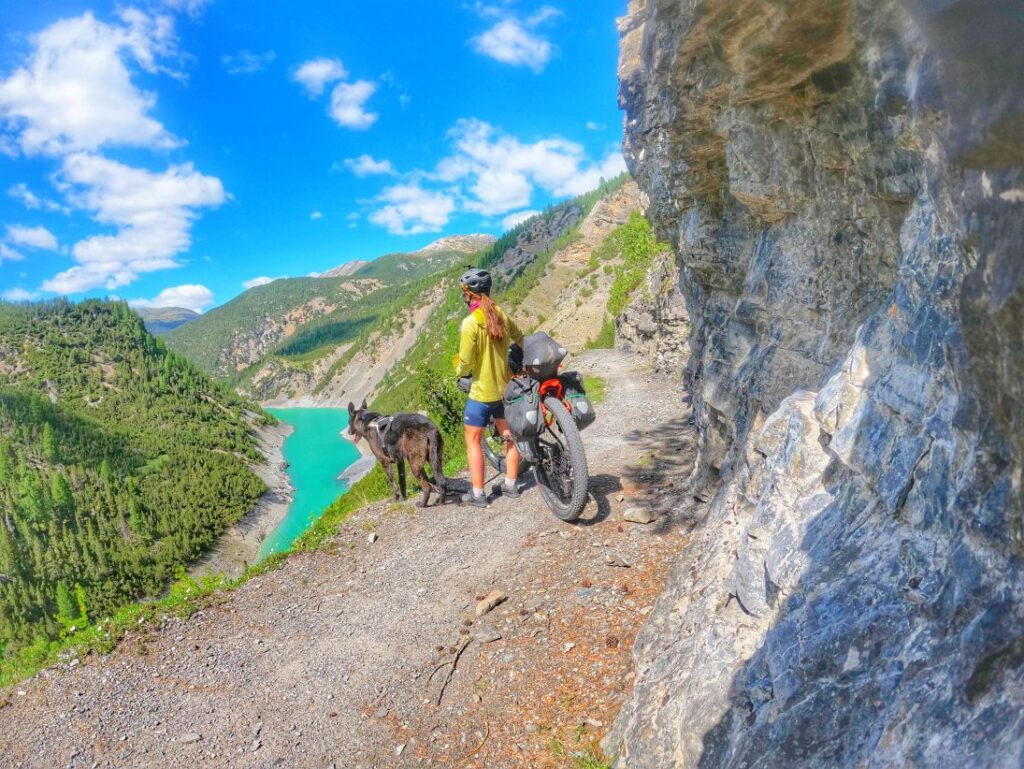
568	646
618	562
382	712
485	633
257	745
531	728
639	515
489	601
190	737
620	498
371	537
399	749
611	641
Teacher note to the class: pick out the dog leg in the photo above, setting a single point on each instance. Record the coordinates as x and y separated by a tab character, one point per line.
390	470
401	477
417	471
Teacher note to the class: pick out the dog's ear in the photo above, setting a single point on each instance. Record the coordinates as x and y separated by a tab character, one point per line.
351	409
363	407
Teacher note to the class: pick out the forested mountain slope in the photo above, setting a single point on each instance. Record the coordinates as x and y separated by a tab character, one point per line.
119	463
304	319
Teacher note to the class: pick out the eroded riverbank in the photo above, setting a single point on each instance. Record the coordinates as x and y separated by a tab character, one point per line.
239	545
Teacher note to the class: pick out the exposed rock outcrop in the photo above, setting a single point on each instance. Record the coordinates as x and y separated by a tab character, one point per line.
842	184
656	325
570	301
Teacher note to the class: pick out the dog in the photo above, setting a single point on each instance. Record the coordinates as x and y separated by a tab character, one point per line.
397	439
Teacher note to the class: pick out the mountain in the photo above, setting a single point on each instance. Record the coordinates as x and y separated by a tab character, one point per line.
463	244
349	268
160	320
305	317
120	462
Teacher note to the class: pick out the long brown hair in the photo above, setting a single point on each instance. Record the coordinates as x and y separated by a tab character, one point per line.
495	322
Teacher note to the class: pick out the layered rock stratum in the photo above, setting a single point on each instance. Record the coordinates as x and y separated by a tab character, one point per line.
842	185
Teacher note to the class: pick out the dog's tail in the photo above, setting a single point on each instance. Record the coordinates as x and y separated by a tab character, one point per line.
436	451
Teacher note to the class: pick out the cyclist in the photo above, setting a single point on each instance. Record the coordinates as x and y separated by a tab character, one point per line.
483	353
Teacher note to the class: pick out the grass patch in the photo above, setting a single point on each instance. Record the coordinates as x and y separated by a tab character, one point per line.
605	339
596	387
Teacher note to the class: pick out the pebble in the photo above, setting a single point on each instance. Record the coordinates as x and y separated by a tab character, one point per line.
618	562
489	601
486	634
382	712
639	515
190	737
372	537
567	647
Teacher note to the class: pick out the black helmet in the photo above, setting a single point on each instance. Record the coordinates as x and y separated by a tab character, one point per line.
476	280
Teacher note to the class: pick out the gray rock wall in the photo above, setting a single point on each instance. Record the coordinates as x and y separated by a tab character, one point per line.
842	184
655	326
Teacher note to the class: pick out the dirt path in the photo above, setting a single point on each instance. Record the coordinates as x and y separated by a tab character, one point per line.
327	661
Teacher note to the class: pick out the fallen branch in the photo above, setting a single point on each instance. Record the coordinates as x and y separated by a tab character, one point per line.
487	733
455	662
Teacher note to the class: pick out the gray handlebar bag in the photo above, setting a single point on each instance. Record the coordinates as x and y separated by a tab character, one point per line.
542	356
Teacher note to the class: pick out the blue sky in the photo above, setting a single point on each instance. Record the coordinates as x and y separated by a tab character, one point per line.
171	151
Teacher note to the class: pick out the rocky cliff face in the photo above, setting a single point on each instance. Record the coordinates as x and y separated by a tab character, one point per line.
656	325
842	184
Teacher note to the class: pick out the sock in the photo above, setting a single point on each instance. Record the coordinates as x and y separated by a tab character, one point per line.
510	483
477	492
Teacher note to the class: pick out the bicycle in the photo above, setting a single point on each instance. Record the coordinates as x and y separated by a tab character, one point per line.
556	455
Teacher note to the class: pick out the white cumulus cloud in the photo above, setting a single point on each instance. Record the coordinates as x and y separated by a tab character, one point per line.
518	217
191	296
19	295
315	74
34	237
9	254
410	210
514	41
75	91
365	165
501	172
262	280
316	215
246	62
347	104
152	214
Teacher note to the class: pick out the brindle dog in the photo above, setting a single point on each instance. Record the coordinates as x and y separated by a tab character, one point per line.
403	437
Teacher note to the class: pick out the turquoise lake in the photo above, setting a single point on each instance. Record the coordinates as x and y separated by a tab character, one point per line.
316	454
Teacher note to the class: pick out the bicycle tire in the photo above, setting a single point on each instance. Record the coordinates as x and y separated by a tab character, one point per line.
571	508
497	461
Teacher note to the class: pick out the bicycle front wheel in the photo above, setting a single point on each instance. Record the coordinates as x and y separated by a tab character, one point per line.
562	472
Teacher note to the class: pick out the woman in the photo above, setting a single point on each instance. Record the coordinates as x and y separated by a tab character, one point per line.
483	352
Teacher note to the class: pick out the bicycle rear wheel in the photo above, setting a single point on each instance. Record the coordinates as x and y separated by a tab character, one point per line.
562	473
494	449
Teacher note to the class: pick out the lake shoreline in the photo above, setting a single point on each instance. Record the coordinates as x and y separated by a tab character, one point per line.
239	544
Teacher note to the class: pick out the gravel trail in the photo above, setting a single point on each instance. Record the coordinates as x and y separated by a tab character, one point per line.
328	660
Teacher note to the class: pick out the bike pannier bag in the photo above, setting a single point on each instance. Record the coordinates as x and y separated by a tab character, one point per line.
579	404
542	355
522	408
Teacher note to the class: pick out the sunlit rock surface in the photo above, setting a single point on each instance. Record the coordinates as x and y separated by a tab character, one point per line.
842	184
